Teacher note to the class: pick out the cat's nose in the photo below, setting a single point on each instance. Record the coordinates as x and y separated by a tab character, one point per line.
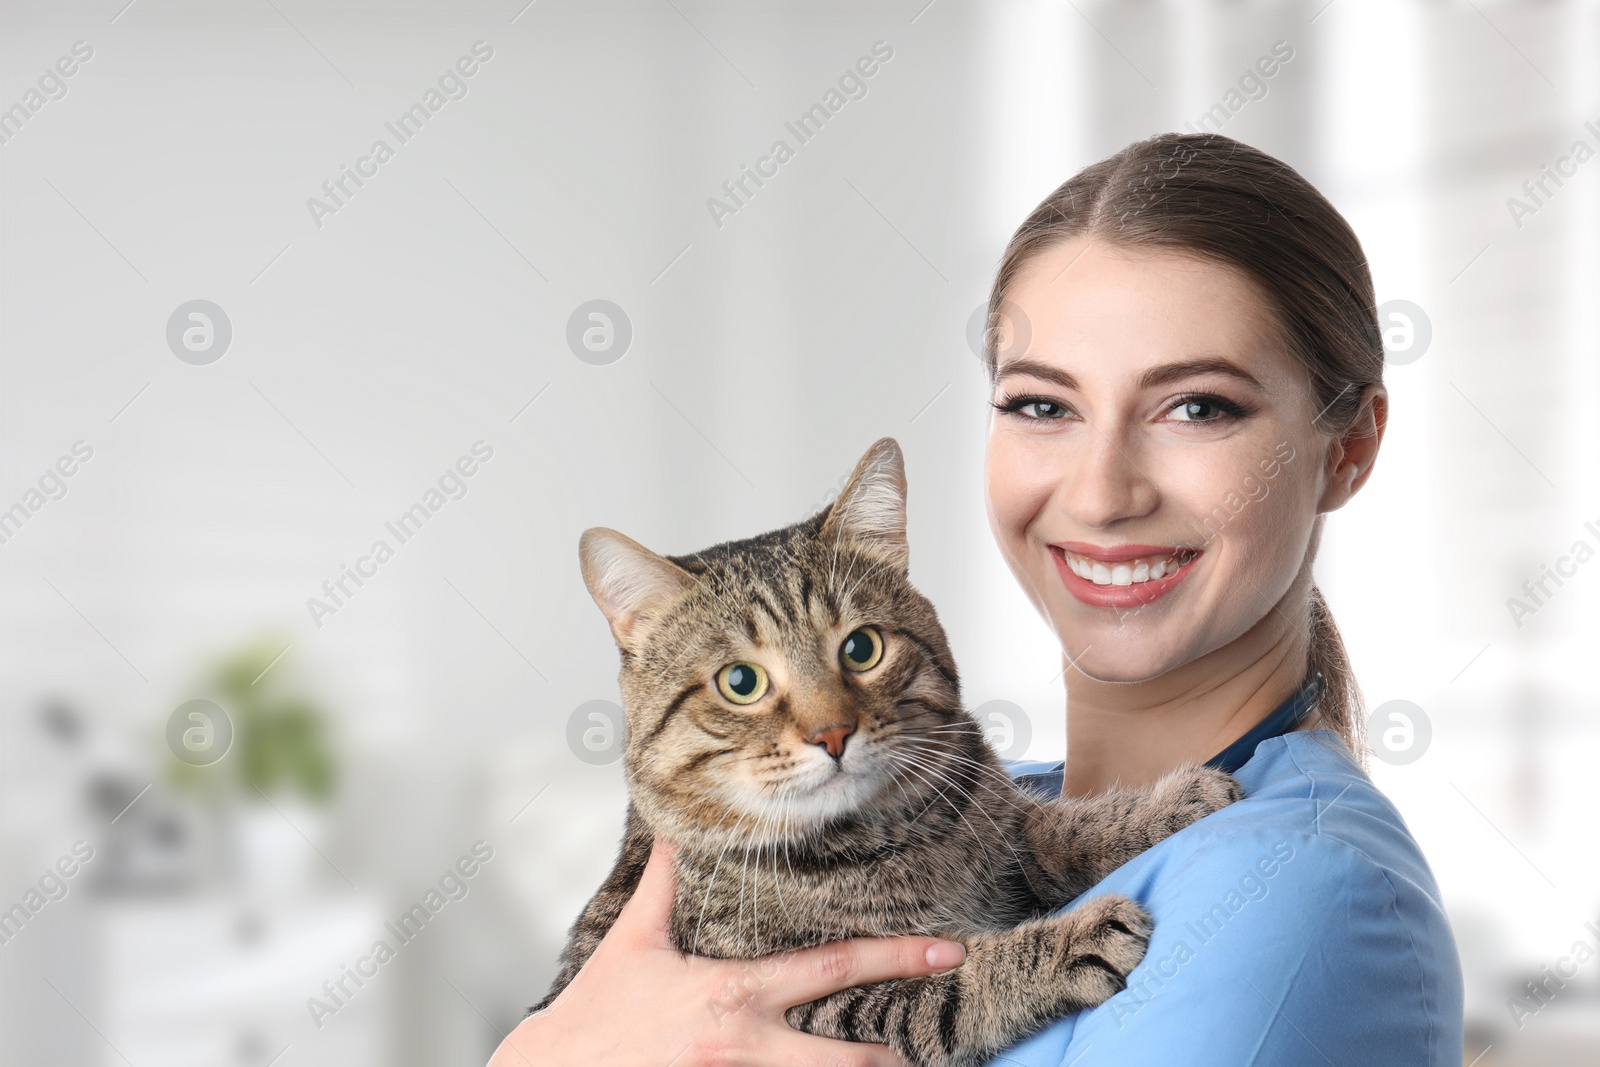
833	739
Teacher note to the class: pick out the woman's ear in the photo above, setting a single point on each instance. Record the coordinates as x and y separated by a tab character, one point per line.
1352	455
633	585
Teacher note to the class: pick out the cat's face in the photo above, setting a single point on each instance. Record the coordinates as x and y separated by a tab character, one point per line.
774	684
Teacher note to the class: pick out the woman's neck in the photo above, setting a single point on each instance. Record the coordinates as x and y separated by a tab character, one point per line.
1128	735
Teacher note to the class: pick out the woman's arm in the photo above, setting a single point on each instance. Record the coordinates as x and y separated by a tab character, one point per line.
1276	948
639	1001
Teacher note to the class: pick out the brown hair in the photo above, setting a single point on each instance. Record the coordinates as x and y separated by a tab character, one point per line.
1220	199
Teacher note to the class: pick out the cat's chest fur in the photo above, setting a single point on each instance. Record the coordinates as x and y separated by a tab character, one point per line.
743	904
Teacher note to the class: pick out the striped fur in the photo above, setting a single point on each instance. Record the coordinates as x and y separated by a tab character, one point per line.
915	828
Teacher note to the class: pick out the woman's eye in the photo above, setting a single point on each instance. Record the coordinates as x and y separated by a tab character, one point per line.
742	683
1042	409
1037	408
1204	409
862	649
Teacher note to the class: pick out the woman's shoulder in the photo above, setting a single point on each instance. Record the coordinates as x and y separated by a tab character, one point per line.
1306	907
1306	801
1304	791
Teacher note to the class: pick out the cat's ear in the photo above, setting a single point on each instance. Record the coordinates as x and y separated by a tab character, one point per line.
632	584
871	510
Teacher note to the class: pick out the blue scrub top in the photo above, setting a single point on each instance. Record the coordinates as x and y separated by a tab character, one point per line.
1300	925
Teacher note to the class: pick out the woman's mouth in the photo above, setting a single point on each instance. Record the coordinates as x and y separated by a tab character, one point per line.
1126	576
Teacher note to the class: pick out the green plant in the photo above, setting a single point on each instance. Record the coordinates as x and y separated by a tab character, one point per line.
280	737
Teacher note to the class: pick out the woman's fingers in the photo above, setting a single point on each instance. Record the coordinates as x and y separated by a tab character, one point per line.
644	919
703	1010
802	1050
815	972
639	1002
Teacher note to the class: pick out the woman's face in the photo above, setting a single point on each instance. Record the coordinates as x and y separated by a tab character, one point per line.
1153	472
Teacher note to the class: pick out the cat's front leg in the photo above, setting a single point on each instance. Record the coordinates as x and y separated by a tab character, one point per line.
1079	842
1012	984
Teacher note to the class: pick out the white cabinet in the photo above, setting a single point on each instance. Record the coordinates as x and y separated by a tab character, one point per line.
221	981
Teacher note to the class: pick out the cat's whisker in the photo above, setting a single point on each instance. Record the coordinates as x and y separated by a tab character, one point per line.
754	848
711	884
955	727
989	780
772	833
744	870
922	743
1000	835
992	781
977	837
978	784
777	879
911	710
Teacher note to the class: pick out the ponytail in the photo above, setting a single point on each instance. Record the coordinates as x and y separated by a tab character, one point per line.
1341	704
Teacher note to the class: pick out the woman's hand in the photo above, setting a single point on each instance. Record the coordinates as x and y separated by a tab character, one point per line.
639	1002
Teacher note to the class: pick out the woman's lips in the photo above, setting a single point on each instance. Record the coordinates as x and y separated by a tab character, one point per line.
1126	564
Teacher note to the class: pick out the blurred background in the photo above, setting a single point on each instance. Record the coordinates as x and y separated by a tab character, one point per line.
241	744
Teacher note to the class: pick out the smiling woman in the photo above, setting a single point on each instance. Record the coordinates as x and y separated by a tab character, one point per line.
1200	319
1195	309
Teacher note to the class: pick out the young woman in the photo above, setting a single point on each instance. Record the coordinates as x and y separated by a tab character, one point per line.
1187	375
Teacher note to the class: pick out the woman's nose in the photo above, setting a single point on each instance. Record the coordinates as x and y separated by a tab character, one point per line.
1105	482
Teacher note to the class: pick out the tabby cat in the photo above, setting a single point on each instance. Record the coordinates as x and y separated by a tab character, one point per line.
793	722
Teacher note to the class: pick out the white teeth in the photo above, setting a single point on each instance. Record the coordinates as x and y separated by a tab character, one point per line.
1130	572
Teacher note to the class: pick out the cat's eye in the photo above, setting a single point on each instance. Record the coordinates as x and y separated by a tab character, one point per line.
742	683
862	649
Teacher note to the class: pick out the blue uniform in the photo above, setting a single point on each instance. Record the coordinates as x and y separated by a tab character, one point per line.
1300	925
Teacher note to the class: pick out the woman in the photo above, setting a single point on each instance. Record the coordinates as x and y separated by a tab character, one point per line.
1187	377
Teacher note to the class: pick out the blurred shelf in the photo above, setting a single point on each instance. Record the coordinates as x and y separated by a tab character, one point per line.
219	980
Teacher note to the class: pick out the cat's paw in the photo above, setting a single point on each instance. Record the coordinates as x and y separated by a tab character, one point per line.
1190	794
1105	938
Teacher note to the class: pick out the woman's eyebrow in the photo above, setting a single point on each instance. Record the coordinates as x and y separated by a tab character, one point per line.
1162	375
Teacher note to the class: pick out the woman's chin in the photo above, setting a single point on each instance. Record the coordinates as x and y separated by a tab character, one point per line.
1121	659
1120	673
